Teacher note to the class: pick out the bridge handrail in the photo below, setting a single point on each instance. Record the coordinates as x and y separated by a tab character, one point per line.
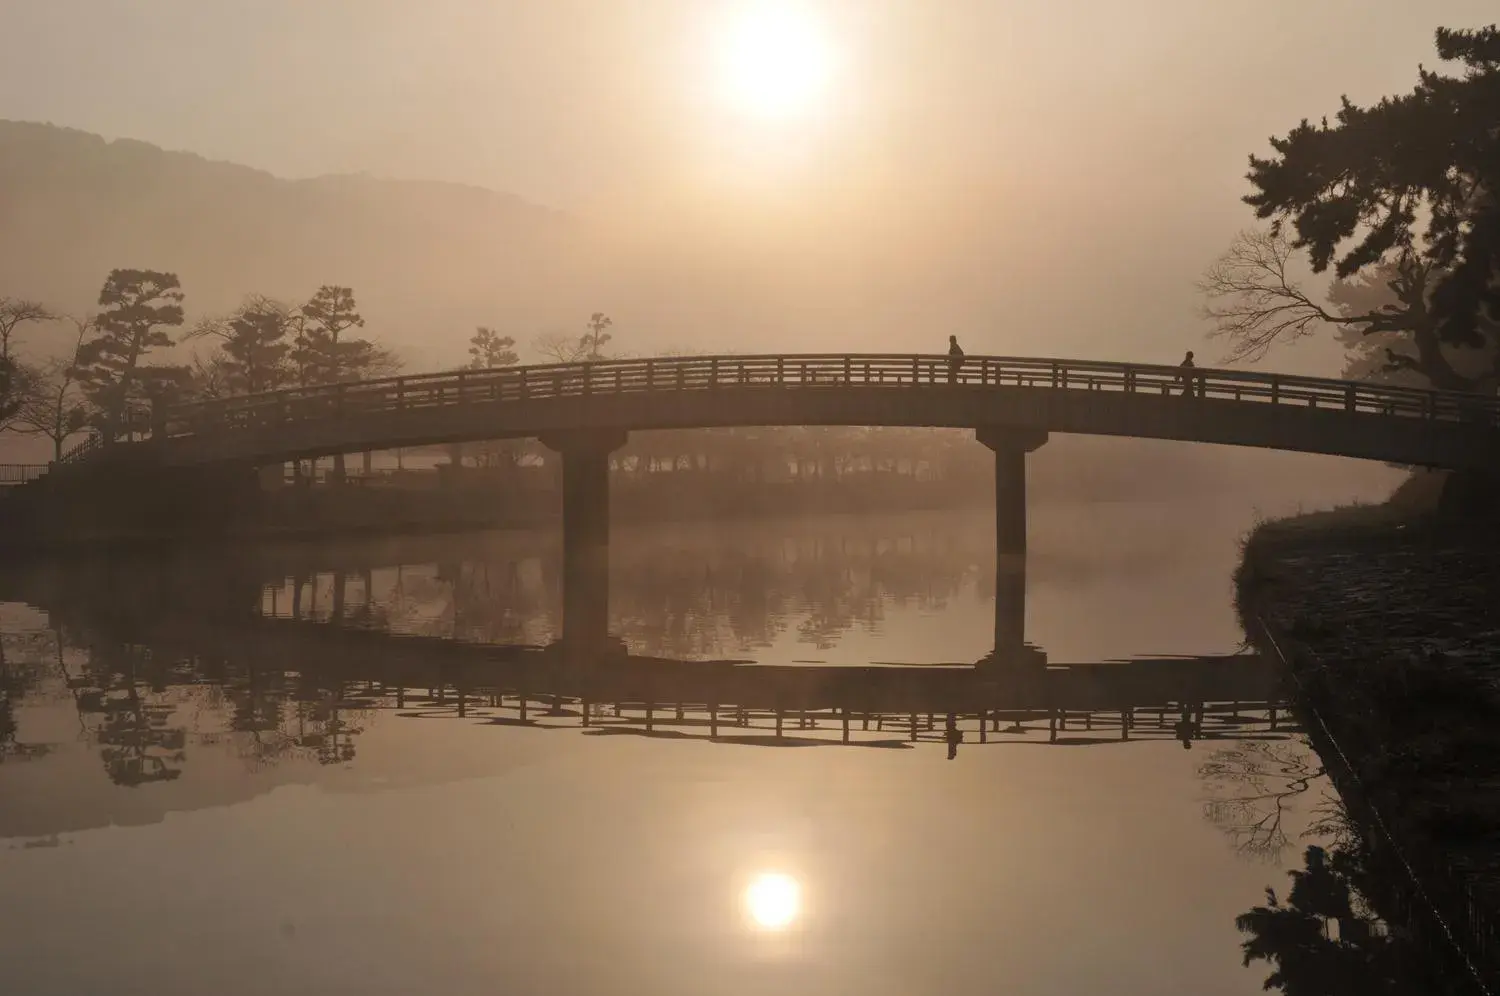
21	473
818	369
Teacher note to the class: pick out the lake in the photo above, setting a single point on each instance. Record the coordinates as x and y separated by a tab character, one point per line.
280	773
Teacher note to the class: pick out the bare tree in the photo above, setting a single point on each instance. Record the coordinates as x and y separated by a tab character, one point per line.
1253	300
564	348
211	376
1383	315
560	347
15	312
1252	784
53	404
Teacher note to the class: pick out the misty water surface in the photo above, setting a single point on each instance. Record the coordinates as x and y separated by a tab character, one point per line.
189	824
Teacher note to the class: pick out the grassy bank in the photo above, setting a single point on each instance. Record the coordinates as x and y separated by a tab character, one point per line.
1389	618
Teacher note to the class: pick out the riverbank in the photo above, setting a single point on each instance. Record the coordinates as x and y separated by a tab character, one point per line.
1388	617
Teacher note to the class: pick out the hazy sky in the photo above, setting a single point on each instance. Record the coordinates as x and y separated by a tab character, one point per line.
567	100
1025	138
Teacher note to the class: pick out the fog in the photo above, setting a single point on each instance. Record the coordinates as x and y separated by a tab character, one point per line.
1044	179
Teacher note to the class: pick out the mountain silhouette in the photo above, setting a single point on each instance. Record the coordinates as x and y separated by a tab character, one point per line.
425	258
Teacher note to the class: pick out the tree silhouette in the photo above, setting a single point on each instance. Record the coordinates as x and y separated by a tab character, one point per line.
15	312
322	353
596	336
255	345
1353	190
53	405
139	305
564	348
1251	785
1383	315
489	349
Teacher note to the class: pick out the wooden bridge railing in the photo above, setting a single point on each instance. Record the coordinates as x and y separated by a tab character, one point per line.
20	473
811	372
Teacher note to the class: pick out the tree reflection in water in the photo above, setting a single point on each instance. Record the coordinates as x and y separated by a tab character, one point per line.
1331	933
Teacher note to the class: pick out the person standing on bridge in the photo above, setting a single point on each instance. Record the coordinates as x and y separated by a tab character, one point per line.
955	358
1187	375
953	735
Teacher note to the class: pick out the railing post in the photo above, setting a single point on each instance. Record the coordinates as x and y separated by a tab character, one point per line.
1349	398
780	372
1130	380
916	370
525	388
1056	375
650	375
713	372
848	371
1275	389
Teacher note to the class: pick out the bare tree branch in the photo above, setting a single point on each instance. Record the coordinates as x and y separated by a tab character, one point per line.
15	312
1253	300
561	347
1252	784
53	405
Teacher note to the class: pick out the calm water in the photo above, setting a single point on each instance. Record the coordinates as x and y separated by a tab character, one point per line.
206	787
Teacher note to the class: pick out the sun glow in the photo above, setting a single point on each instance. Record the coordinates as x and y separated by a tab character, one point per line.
775	60
773	900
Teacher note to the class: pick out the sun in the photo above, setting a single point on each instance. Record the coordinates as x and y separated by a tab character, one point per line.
773	900
775	60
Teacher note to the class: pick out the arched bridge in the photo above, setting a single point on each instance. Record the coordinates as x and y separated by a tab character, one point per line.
192	466
1278	411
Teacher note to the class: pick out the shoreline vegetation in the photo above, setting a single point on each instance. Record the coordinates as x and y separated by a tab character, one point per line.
1388	620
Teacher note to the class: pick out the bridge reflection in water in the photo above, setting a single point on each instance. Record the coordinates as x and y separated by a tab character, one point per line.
214	624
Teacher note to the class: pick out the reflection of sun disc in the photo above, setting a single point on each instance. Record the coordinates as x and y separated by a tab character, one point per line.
773	900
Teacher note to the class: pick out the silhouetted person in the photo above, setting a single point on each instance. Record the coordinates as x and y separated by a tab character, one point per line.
955	358
1186	729
953	736
1187	375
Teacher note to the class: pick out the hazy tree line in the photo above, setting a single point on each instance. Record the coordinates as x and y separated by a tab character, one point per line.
1402	200
106	369
110	368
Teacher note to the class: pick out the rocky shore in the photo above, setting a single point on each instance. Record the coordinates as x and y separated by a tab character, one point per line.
1388	618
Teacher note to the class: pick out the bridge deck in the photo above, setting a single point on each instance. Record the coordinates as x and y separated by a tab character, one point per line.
1238	407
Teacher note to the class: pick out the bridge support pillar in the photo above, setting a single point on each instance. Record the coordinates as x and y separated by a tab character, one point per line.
585	514
1010	445
1010	606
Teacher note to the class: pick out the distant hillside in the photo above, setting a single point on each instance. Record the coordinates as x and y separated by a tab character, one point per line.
427	260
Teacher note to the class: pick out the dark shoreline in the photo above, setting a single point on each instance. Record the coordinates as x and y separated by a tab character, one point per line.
1388	621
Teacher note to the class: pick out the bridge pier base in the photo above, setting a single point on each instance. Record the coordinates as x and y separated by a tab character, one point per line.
1010	445
585	514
